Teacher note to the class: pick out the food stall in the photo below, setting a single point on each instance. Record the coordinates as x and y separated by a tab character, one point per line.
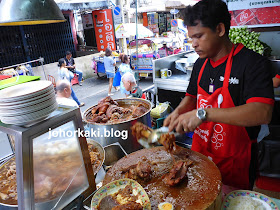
39	152
148	51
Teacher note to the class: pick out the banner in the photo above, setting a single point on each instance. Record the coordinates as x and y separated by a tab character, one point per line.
251	4
104	29
87	21
257	17
153	21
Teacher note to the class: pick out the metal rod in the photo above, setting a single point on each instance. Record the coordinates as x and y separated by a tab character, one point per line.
136	4
40	59
42	63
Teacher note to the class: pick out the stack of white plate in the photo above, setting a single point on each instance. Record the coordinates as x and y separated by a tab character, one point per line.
27	103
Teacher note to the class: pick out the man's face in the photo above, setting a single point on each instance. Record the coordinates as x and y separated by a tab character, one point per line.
128	85
205	41
68	56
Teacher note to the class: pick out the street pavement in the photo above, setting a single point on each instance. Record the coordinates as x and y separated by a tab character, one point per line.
95	88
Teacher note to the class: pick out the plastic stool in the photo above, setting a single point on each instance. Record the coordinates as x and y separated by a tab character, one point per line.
75	79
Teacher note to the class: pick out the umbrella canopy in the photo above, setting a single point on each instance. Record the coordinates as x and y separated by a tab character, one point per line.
129	29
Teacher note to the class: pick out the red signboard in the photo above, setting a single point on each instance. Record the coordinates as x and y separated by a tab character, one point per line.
104	29
256	17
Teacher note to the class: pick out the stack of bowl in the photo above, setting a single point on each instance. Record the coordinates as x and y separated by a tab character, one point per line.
27	103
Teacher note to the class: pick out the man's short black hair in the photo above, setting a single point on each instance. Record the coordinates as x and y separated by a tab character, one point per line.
68	53
210	13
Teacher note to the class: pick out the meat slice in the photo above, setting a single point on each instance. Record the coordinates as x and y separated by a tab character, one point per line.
143	169
168	141
139	130
109	100
130	205
140	171
177	173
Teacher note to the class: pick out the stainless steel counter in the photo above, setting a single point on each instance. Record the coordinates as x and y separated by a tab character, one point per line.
179	80
175	83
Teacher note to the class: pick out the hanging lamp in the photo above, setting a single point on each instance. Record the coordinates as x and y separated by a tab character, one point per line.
29	12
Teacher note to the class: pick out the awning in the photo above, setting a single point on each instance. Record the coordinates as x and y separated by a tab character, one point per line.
81	4
170	4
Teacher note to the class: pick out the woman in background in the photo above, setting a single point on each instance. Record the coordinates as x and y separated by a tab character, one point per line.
109	65
63	73
124	68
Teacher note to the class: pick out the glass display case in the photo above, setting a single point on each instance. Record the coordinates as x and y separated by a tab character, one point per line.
49	165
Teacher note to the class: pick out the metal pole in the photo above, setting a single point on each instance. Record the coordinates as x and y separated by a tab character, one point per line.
42	63
137	79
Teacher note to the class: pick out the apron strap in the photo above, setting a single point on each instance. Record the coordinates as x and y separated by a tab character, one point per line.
201	71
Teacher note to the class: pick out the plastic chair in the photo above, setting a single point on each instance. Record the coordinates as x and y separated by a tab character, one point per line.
52	79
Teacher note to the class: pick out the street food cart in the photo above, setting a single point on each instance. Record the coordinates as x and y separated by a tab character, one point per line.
148	50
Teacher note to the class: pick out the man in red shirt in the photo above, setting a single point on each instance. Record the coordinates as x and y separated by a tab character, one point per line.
229	96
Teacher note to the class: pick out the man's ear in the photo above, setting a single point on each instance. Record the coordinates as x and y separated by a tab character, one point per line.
220	29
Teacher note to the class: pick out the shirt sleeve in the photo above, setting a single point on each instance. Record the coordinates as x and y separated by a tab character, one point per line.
258	86
73	61
192	88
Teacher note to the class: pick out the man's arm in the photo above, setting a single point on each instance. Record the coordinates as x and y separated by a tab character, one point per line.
68	66
276	82
251	114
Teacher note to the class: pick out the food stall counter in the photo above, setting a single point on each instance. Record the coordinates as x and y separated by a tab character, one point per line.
177	79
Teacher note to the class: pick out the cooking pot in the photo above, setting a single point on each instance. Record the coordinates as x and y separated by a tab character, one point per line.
106	134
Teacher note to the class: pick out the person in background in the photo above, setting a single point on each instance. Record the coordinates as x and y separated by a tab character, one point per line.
63	88
63	73
124	68
229	96
129	83
71	66
168	51
109	65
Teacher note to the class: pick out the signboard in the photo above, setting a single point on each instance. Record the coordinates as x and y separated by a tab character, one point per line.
254	13
104	29
87	21
117	15
168	20
258	17
153	22
251	4
174	25
120	31
145	19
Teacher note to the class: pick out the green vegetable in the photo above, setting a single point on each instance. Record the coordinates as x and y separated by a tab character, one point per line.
249	40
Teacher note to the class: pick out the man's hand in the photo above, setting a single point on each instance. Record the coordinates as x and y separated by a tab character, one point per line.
171	118
186	122
187	104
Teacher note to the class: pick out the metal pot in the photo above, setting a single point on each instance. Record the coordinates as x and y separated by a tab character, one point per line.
106	134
